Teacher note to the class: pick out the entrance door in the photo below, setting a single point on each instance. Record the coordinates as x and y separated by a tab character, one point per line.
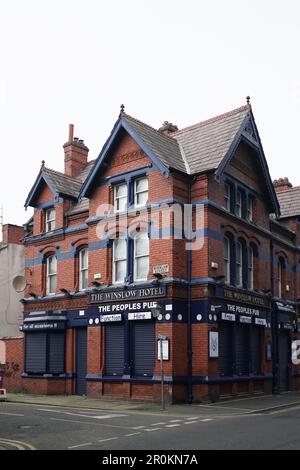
81	361
284	359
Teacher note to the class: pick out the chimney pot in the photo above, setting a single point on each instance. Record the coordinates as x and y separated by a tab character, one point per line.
282	184
71	132
76	154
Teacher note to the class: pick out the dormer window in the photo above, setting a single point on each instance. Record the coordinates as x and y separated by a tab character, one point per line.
227	197
120	197
140	192
238	204
50	220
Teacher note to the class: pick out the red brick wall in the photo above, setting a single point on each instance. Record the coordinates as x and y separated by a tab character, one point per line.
14	364
12	234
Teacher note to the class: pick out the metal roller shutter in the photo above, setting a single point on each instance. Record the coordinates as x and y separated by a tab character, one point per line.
114	349
256	350
57	353
35	357
144	348
81	361
284	359
242	349
226	358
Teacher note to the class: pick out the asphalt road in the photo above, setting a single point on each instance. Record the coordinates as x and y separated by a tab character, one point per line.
26	427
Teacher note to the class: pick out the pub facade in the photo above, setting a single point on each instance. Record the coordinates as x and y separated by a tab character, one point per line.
173	233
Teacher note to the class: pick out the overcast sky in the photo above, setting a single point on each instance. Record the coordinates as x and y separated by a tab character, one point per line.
75	61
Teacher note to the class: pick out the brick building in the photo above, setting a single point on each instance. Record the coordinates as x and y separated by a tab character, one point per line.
168	232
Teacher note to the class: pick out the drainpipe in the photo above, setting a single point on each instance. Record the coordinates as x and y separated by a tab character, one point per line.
189	314
274	325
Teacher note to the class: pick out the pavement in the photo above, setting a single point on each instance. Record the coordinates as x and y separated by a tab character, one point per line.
248	405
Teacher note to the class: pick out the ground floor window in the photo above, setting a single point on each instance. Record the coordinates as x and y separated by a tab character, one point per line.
45	353
239	349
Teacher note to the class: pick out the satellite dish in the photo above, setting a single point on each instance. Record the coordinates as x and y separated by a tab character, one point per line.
19	283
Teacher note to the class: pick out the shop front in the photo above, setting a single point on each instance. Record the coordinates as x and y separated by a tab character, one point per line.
126	323
239	357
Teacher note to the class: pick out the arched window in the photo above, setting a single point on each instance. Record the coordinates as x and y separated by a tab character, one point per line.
227	257
51	274
83	269
250	267
281	276
239	264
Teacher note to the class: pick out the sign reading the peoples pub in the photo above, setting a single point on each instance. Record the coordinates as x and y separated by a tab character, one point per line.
127	294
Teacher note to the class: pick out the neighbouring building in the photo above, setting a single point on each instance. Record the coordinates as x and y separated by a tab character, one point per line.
113	263
11	310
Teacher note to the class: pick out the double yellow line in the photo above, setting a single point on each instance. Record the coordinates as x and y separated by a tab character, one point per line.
19	445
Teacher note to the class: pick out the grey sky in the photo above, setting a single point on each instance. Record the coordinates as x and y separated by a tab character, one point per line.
184	61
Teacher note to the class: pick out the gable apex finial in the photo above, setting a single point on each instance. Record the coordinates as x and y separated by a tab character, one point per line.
43	164
122	109
248	99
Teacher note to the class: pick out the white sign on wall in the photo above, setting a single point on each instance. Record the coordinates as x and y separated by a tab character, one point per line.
165	349
2	352
213	344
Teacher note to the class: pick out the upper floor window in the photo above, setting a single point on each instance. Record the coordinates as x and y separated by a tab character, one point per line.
51	274
250	209
120	197
227	260
238	204
239	264
281	276
140	192
50	220
119	260
141	257
83	269
227	197
250	268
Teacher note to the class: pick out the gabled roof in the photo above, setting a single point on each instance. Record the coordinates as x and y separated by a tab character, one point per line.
289	201
206	144
164	147
164	151
59	184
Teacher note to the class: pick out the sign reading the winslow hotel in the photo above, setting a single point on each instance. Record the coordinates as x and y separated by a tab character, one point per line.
127	294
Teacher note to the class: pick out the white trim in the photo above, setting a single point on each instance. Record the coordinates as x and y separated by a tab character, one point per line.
135	258
141	192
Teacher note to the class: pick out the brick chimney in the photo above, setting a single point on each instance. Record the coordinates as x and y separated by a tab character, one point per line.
168	128
283	184
12	234
76	154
